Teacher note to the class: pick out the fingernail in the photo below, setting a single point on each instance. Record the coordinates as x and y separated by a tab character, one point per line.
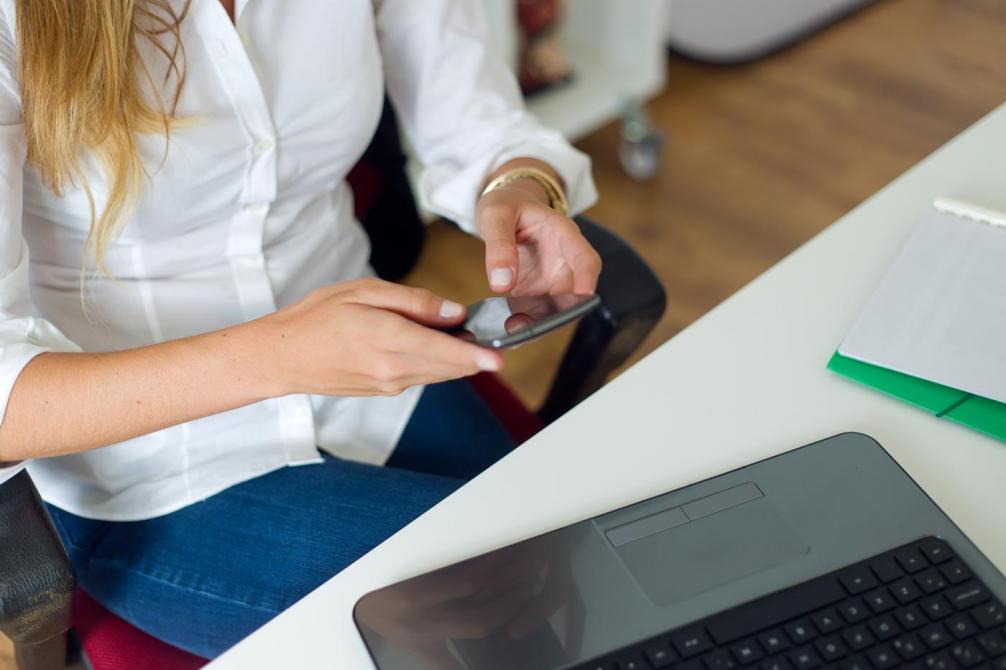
488	363
501	277
450	309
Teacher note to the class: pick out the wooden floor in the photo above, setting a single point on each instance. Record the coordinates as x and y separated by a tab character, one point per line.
761	157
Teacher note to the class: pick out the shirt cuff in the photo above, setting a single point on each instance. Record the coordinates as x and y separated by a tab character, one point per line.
453	195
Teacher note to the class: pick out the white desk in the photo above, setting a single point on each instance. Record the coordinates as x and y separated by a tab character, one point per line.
745	382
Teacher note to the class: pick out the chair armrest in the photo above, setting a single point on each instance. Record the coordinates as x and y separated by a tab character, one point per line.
632	301
36	579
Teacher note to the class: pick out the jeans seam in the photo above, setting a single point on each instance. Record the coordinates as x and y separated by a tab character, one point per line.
123	566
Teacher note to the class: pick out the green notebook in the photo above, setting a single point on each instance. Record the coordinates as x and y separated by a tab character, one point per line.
984	415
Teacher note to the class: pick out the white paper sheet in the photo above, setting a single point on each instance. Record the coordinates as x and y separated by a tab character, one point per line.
940	312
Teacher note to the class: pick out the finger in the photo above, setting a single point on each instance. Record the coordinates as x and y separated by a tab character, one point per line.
586	266
517	322
417	304
432	352
499	230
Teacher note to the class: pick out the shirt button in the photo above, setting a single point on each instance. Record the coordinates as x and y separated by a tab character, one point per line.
257	208
264	145
300	413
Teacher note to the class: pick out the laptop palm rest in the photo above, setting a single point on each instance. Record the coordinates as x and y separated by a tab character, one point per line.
683	551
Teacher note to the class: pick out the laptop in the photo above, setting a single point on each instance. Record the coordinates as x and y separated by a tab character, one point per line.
827	556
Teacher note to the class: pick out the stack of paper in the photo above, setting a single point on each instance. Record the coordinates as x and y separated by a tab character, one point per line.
934	332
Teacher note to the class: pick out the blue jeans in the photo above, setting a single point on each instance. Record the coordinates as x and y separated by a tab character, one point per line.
206	576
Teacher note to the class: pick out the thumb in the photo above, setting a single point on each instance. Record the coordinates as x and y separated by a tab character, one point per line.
499	230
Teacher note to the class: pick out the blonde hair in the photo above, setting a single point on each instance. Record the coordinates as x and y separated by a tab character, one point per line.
82	86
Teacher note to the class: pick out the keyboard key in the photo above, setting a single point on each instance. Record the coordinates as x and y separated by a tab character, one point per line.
967	654
719	660
905	591
856	662
879	600
804	658
931	581
774	641
940	661
989	615
883	657
831	648
660	655
858	580
884	627
911	560
853	610
694	664
967	595
961	625
858	637
935	636
631	661
747	652
776	664
887	570
751	619
800	631
992	643
936	608
956	572
827	621
937	551
691	643
910	617
908	646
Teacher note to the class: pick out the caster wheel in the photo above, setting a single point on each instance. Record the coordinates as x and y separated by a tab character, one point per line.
640	149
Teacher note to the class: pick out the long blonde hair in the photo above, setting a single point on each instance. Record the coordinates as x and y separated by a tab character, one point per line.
82	87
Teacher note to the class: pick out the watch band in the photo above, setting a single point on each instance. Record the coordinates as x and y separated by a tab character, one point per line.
556	198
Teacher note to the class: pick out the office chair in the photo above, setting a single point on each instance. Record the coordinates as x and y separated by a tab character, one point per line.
38	598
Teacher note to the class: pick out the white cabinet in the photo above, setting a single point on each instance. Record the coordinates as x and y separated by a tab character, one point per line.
615	49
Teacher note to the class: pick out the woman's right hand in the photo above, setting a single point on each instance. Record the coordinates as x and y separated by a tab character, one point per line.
363	338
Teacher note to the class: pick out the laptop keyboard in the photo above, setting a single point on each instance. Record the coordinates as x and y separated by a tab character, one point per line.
918	606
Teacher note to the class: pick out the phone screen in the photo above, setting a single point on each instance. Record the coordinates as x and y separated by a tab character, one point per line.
508	321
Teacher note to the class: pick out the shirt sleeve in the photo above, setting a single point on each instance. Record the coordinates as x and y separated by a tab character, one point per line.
22	335
461	108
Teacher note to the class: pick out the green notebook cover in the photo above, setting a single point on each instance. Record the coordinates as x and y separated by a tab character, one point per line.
984	415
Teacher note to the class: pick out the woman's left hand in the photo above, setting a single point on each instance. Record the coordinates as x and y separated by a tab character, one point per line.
530	248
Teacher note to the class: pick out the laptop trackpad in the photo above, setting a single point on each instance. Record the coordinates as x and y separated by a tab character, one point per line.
693	557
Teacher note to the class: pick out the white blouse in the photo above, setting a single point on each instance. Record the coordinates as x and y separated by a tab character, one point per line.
246	212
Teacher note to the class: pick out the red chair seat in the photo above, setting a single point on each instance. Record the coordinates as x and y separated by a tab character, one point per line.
109	643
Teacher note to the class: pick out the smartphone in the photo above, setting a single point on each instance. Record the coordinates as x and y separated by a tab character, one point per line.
502	322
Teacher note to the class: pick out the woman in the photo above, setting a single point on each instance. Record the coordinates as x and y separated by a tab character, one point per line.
196	295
